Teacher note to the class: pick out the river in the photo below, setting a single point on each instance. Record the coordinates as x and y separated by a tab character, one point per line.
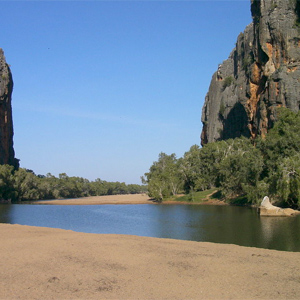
219	224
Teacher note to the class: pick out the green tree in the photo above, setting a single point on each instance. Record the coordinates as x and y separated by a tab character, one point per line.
164	178
191	169
285	181
26	185
7	190
281	152
283	140
200	166
240	168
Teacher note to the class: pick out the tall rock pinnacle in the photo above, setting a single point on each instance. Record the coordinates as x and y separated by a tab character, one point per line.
261	73
7	154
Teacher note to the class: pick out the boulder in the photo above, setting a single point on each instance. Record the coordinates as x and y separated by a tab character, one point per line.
267	209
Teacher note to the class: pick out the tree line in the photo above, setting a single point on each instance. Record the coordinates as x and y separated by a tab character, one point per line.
242	170
23	184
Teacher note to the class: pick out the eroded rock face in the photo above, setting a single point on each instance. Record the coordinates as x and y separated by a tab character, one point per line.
7	154
261	73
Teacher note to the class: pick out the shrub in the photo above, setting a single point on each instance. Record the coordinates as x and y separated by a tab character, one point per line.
227	82
222	109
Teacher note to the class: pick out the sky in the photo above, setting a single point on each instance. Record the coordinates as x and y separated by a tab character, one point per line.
102	87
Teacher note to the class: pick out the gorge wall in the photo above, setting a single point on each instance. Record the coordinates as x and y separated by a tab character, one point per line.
261	73
7	154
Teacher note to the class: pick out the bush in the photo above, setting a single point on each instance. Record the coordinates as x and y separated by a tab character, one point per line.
227	82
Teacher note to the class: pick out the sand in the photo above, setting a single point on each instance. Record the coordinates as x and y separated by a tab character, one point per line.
121	199
45	263
97	200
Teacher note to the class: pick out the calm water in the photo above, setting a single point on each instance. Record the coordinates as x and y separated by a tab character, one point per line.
220	224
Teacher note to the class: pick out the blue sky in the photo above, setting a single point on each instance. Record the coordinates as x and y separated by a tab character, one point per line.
102	87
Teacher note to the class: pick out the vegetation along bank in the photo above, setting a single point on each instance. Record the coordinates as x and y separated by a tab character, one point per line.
241	169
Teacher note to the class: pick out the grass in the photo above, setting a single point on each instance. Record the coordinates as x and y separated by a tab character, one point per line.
204	196
196	197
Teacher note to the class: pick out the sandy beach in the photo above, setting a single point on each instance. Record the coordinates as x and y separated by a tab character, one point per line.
120	199
98	200
45	263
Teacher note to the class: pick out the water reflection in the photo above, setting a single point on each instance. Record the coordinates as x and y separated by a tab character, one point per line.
179	221
5	213
285	230
220	224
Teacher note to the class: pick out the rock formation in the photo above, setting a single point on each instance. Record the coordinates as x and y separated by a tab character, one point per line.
269	210
261	73
7	154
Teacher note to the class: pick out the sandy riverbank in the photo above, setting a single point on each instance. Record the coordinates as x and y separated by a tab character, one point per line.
97	200
119	199
44	263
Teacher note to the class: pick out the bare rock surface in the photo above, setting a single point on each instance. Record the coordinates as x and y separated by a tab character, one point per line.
261	74
7	153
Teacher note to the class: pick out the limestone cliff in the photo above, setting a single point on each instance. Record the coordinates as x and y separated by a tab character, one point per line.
7	154
261	73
